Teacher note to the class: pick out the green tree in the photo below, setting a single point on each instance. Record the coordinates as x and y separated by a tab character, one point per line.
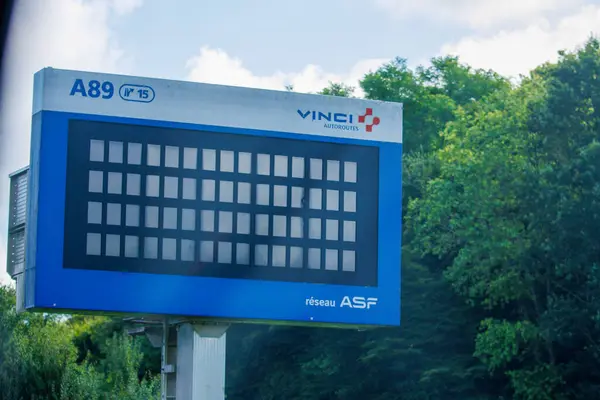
338	89
38	359
515	210
35	351
114	377
92	332
430	95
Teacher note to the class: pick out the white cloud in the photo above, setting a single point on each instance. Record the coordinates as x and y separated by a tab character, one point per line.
123	7
518	51
72	34
216	66
477	13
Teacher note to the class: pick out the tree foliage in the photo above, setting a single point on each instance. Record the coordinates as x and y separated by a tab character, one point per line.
39	354
516	209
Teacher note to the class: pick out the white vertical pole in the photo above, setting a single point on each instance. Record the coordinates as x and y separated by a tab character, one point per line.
163	359
201	362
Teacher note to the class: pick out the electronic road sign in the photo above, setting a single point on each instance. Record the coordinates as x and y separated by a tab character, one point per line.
176	198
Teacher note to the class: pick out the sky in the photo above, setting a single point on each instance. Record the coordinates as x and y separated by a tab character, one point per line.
268	44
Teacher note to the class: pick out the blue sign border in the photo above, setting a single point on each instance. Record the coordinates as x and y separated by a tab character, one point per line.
216	298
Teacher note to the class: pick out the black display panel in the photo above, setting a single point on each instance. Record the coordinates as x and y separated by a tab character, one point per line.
187	202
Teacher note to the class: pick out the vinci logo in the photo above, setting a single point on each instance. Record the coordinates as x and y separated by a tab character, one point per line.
342	121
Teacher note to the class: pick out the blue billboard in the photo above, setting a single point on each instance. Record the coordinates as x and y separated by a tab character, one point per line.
176	198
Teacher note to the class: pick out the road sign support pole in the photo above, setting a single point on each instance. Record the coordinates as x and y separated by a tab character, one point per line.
163	361
200	367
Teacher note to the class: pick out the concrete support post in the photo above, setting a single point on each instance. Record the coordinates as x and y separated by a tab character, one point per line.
200	362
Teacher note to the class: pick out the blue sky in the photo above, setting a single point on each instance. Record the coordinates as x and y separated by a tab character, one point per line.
333	34
269	44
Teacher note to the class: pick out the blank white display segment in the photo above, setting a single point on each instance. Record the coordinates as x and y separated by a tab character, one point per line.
153	155
95	181
316	168
151	217
226	192
350	201
297	194
262	224
314	228
189	189
188	250
331	259
296	227
113	245
188	219
280	196
113	214
225	221
151	247
333	170
242	253
278	256
263	164
296	257
94	215
331	229
97	150
281	166
226	161
133	184
349	231
134	153
315	199
132	246
279	225
208	190
169	249
132	215
262	194
169	218
244	163
93	244
171	187
115	152
206	251
243	223
190	158
314	258
209	159
152	186
261	255
171	157
350	171
243	194
332	200
224	252
297	167
207	221
115	183
348	260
